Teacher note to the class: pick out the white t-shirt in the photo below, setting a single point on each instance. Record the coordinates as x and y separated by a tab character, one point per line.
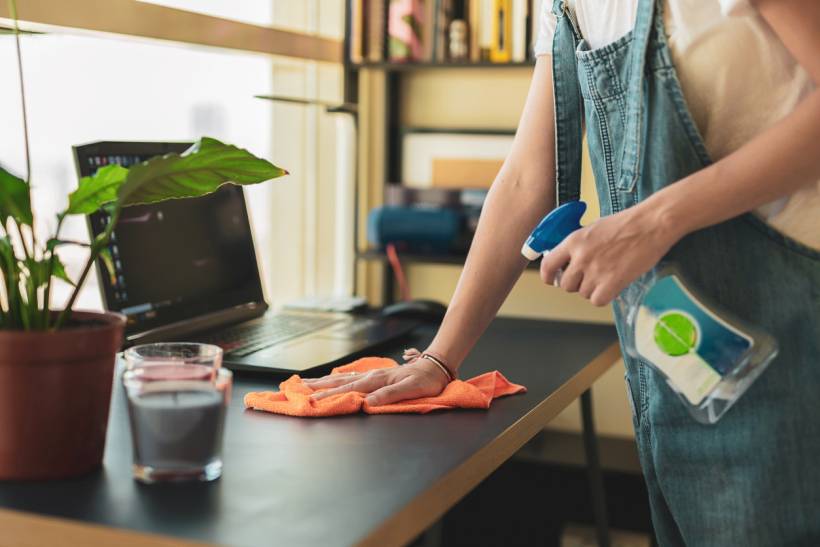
736	74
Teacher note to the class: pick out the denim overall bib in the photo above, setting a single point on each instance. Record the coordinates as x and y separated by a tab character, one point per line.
753	479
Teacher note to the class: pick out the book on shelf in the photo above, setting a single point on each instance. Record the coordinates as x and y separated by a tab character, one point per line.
501	48
356	30
519	31
376	17
443	31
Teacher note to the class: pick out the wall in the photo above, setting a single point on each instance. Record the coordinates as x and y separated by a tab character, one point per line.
480	98
304	142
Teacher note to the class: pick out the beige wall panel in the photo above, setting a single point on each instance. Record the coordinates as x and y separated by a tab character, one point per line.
371	174
529	298
292	15
325	203
613	418
331	18
468	98
330	82
286	275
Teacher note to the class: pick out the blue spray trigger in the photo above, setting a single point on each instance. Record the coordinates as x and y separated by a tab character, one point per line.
552	230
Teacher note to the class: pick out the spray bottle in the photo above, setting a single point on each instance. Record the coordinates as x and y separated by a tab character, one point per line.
708	357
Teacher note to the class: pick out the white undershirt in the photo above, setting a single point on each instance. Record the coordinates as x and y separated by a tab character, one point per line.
736	74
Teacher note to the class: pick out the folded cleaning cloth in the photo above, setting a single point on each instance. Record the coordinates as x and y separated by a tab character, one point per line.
293	397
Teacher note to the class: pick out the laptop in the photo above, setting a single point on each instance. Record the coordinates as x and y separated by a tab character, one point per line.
187	269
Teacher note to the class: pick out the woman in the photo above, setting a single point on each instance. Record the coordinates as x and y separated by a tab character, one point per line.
728	190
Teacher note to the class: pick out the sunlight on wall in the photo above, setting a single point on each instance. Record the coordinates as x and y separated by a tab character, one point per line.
257	12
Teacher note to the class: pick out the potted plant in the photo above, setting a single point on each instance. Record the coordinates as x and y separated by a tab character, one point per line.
56	367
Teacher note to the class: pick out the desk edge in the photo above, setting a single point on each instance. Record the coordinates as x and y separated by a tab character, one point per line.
428	507
24	529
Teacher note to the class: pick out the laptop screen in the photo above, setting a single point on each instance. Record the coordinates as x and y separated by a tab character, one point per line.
174	260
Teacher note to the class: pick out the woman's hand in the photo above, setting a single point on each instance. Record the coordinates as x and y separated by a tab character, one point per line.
600	260
413	380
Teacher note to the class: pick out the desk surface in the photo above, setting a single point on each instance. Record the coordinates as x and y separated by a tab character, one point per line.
371	480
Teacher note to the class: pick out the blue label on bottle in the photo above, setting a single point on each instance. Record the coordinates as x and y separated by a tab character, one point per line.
693	346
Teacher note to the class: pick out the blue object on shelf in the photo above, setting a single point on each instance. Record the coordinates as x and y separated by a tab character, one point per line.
414	229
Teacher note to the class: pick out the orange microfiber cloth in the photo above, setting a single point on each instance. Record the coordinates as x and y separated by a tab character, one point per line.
293	397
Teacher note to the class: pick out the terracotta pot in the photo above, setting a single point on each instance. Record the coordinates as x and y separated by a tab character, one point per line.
55	391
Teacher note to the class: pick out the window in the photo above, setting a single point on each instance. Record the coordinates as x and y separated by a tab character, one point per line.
84	88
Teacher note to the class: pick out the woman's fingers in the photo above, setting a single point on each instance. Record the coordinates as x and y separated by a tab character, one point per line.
586	288
571	279
333	380
411	354
404	389
552	262
364	384
411	381
603	294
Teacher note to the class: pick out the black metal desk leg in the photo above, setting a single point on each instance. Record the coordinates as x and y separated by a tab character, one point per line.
432	537
594	474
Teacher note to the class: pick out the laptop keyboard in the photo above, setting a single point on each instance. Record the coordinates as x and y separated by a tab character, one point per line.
262	333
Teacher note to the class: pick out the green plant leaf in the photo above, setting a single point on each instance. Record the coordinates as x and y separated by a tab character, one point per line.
95	191
37	271
108	262
59	272
200	170
8	265
7	259
15	200
6	250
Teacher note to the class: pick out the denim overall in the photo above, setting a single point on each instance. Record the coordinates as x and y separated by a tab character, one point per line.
754	477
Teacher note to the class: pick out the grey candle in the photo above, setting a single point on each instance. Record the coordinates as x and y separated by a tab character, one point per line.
177	431
177	397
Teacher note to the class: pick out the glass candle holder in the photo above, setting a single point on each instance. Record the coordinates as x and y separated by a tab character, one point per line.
177	398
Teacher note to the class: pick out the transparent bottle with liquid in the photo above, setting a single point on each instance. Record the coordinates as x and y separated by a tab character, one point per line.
708	356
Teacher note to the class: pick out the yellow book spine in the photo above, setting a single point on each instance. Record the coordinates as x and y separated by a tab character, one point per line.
501	49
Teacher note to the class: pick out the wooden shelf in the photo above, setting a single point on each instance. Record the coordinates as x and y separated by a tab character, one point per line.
404	67
458	130
421	258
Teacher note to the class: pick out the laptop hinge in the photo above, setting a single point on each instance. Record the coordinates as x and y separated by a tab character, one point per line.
178	330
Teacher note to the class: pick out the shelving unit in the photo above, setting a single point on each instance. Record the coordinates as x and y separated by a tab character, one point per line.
448	259
401	67
394	74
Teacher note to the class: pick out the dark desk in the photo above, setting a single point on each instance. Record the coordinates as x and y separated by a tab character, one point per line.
369	480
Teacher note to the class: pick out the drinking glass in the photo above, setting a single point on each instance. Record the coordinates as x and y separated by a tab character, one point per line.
177	398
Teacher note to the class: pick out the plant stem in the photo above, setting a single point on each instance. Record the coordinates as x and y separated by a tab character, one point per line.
46	318
66	313
28	322
96	246
13	10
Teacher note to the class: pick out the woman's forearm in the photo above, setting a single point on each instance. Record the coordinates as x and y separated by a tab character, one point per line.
774	164
493	266
520	196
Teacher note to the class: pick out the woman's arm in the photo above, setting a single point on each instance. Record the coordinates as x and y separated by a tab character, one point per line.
521	194
606	256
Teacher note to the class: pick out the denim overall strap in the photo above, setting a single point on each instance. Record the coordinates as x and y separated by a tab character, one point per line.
752	479
568	105
634	130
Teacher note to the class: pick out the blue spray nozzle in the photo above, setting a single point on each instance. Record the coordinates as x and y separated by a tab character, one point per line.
551	231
